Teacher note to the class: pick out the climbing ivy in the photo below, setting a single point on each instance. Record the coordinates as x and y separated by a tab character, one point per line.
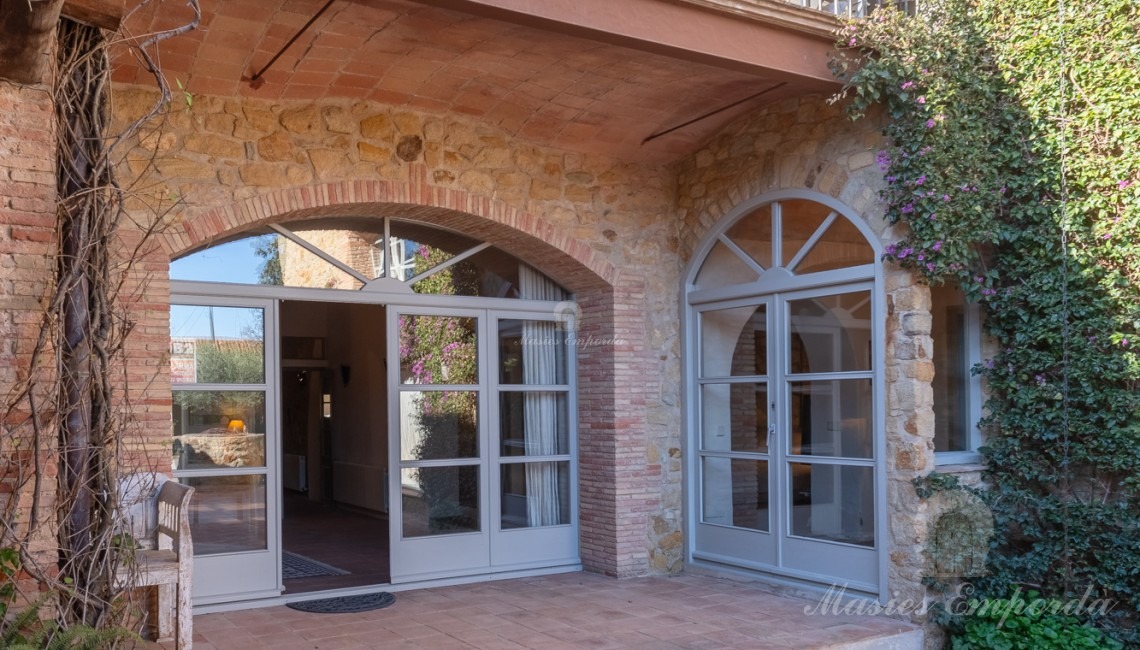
1013	169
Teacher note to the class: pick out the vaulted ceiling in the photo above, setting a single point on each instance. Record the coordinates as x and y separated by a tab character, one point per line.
588	75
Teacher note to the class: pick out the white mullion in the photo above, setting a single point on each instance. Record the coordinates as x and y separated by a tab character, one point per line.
386	271
288	234
812	241
845	461
742	254
777	235
830	376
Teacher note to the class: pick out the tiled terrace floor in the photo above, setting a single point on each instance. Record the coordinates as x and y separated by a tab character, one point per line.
575	610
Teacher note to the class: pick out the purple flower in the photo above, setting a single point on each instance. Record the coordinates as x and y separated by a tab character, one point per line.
907	85
1040	379
1123	184
851	43
933	216
904	253
989	292
990	364
908	208
920	180
930	124
1124	343
937	245
921	257
890	179
921	99
945	198
930	267
883	158
891	249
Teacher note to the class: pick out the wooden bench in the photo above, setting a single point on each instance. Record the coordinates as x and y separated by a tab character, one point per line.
168	566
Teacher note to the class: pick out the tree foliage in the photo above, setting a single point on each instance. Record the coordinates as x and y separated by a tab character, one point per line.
1013	159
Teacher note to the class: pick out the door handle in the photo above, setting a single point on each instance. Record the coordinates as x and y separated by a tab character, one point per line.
771	430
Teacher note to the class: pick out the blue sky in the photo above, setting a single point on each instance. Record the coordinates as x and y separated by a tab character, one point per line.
235	261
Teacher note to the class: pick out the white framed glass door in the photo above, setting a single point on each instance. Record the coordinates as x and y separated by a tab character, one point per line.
439	480
223	364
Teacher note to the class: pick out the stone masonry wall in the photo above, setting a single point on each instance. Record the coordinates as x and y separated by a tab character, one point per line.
602	227
807	144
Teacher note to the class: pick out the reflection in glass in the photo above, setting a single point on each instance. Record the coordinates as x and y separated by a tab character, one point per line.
218	429
352	242
415	248
489	273
534	423
250	260
734	342
216	345
438	350
952	374
830	333
227	513
440	500
842	245
723	268
532	353
833	502
734	417
832	418
436	425
799	219
734	492
535	494
753	234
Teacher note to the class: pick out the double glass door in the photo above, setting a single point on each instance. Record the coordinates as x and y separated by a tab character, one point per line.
482	446
785	450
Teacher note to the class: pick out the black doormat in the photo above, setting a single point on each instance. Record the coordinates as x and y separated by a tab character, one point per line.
345	604
295	565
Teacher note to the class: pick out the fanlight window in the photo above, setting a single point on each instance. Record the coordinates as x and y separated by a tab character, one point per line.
353	253
796	235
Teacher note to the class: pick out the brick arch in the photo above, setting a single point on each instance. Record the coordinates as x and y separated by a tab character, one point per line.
534	240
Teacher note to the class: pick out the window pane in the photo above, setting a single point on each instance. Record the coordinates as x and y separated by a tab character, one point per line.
438	350
723	268
951	370
799	220
440	500
734	342
216	345
831	418
227	513
830	333
490	273
351	244
218	429
535	494
250	260
734	417
534	424
841	246
735	493
415	248
532	352
753	234
438	425
834	503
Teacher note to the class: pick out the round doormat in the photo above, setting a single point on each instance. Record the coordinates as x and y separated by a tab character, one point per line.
345	604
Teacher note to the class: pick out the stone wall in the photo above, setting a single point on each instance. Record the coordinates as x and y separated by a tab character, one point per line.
806	143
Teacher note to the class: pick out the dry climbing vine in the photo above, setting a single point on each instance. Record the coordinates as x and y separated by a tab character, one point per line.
68	419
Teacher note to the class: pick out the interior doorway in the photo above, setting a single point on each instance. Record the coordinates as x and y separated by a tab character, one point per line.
334	506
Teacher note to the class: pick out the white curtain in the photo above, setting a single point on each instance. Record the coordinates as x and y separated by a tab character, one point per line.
542	353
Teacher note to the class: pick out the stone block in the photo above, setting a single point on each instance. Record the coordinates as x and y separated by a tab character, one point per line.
302	121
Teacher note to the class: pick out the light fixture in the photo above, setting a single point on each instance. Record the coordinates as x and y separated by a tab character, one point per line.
237	426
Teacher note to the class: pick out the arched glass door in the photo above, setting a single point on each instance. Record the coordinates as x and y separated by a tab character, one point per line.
783	360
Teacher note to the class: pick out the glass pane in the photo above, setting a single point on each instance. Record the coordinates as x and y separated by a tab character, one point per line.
753	234
415	248
841	246
227	513
724	268
834	503
734	342
300	267
734	492
490	273
532	352
734	417
534	424
216	345
535	494
832	418
831	333
218	429
799	220
438	425
438	350
951	370
250	260
440	500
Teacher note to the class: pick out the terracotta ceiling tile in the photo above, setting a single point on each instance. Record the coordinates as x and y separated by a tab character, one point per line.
383	95
298	91
311	78
308	64
203	85
400	85
355	81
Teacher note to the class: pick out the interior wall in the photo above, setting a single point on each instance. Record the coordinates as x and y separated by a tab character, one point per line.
359	386
308	319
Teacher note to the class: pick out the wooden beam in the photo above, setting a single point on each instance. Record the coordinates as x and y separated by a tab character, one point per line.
26	31
105	14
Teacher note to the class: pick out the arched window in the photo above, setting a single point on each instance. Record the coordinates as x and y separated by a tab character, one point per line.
782	365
